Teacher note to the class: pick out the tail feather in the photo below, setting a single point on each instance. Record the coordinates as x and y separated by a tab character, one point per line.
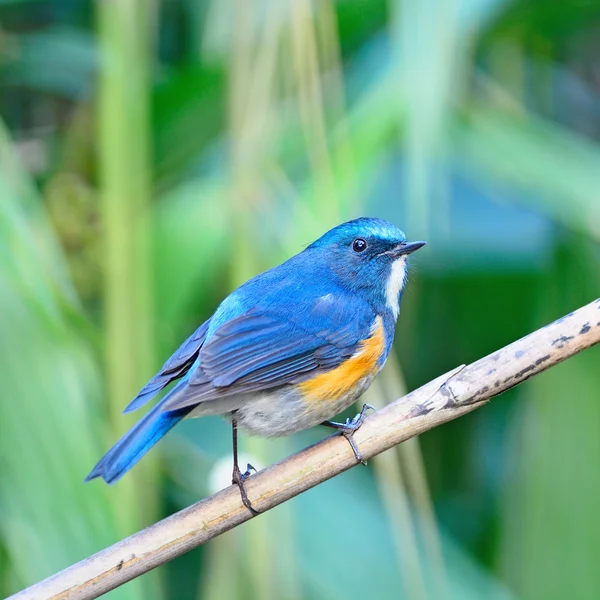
136	442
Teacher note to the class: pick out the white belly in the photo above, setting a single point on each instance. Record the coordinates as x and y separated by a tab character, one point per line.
285	411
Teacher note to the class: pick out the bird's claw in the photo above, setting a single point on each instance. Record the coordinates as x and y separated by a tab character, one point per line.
238	478
355	423
348	428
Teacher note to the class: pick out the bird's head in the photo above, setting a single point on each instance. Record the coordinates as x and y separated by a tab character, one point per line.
368	256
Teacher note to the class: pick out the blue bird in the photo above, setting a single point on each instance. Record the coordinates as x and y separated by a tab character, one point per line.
289	349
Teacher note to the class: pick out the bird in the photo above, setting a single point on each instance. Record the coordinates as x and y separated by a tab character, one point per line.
288	350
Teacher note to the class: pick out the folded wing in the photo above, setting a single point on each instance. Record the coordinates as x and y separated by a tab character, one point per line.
267	348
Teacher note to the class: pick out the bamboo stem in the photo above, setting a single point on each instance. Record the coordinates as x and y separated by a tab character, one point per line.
441	400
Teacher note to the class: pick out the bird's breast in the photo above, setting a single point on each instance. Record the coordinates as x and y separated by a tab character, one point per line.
344	379
296	407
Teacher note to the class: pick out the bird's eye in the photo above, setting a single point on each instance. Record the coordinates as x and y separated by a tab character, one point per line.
359	245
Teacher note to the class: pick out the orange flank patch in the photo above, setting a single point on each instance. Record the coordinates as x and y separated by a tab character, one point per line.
343	379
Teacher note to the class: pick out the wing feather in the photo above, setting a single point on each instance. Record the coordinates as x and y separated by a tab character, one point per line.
263	349
176	367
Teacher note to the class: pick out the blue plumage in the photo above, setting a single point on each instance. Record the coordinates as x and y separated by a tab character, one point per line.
135	443
275	334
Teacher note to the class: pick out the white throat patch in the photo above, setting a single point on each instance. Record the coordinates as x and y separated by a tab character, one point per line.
395	284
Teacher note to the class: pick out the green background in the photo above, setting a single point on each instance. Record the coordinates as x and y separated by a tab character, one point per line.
154	155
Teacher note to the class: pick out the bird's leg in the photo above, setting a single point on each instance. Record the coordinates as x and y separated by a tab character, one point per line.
348	428
237	476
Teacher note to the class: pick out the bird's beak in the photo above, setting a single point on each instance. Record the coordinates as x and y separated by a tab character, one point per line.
406	248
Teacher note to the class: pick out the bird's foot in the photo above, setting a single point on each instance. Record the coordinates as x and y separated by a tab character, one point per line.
348	428
238	478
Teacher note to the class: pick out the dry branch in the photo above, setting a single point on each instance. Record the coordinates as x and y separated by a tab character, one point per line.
441	400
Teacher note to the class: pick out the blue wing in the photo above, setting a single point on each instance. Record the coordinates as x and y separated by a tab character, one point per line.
175	368
271	346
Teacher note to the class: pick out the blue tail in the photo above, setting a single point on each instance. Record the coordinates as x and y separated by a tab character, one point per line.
136	442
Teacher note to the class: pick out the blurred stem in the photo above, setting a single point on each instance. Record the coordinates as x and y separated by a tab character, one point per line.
341	153
427	44
412	463
221	579
310	102
389	469
395	501
124	165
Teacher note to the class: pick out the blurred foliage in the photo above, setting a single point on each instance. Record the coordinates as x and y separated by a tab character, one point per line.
155	155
